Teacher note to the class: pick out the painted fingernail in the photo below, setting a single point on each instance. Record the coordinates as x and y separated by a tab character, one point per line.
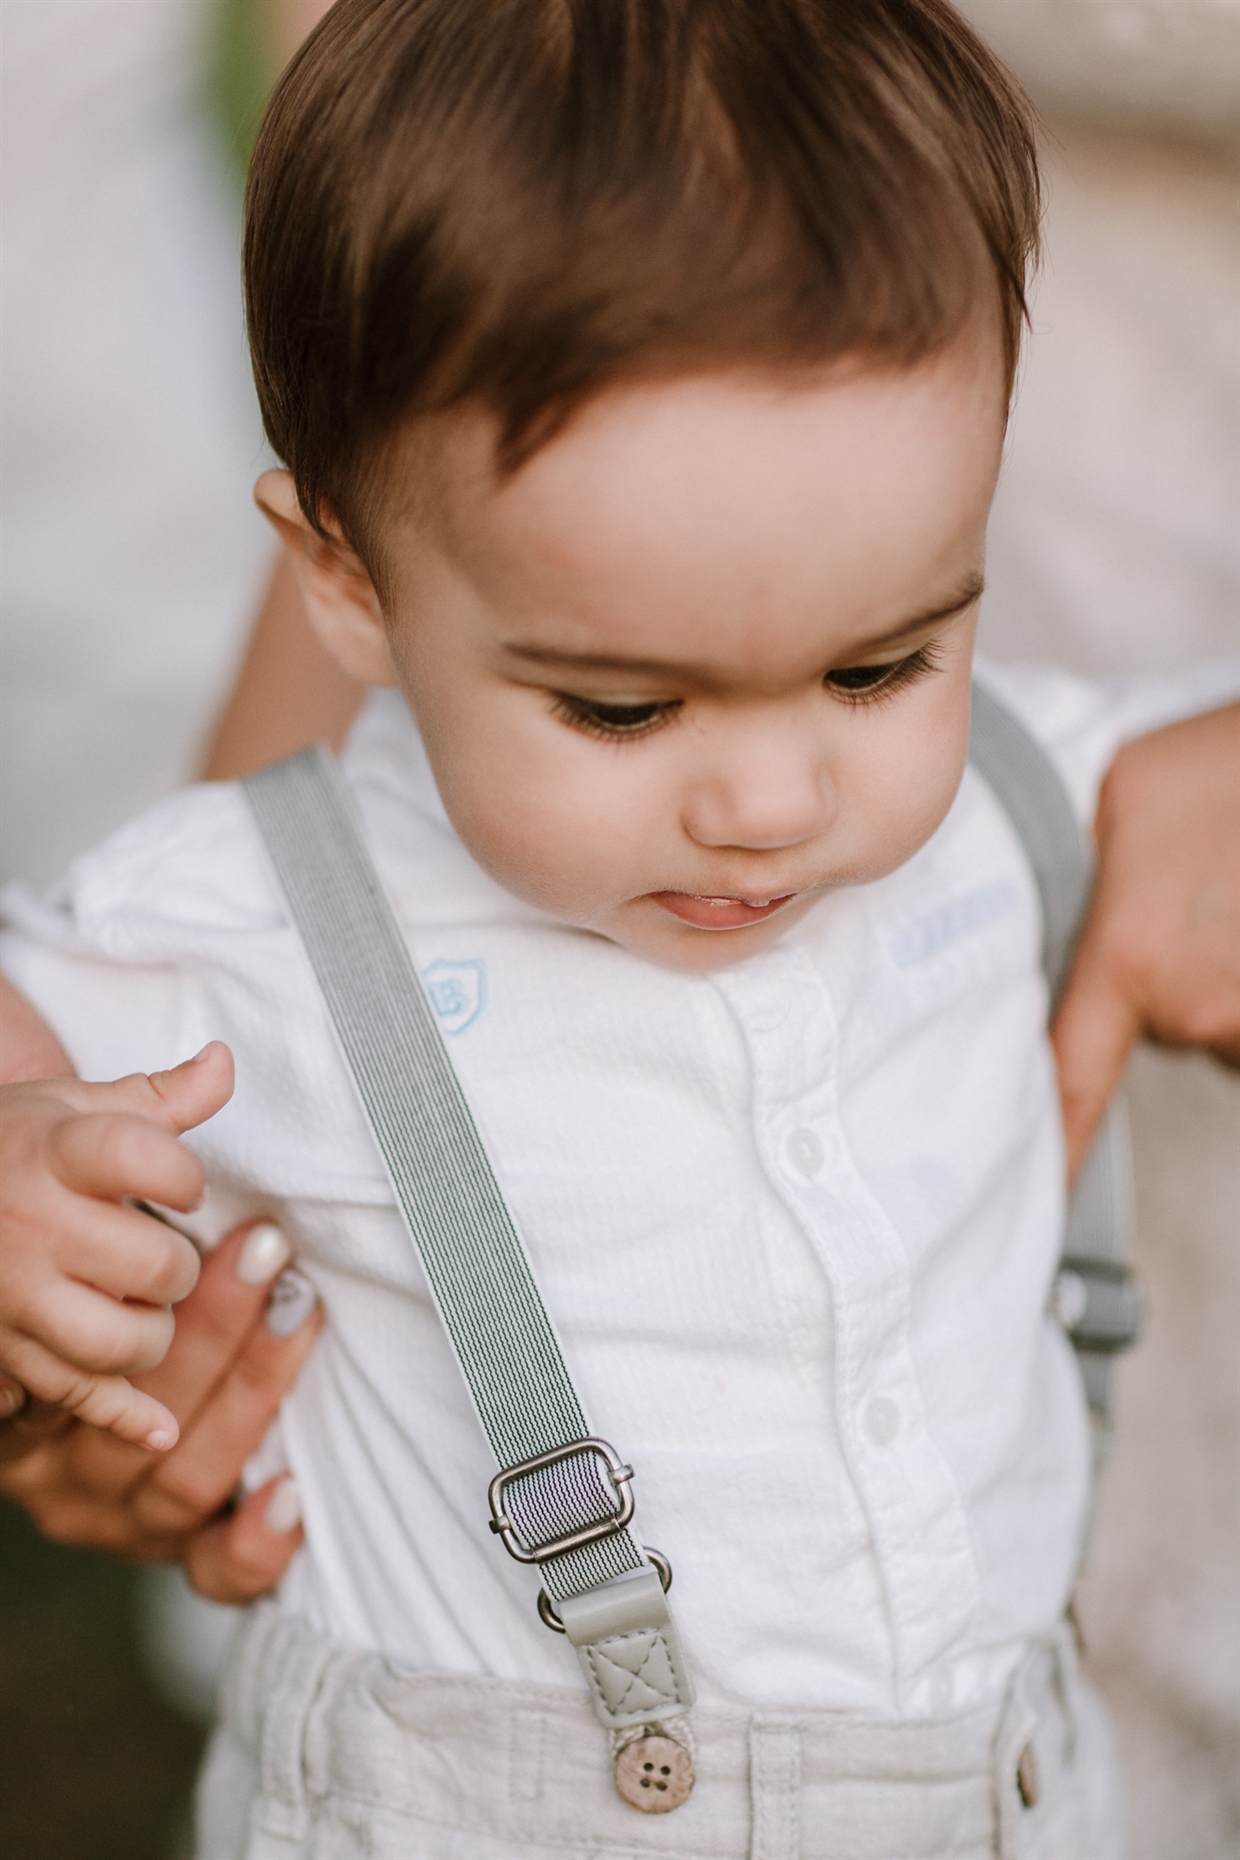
292	1299
160	1439
283	1507
263	1254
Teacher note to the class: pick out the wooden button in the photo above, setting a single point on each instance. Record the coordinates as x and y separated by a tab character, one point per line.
1027	1776
654	1774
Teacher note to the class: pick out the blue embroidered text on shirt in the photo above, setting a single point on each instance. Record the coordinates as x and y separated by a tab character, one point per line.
973	910
458	992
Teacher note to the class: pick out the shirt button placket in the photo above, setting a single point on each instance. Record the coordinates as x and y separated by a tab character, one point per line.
881	1420
804	1152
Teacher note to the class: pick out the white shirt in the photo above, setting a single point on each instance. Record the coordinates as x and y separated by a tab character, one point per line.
796	1223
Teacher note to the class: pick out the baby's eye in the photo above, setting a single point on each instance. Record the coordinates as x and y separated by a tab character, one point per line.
859	677
616	721
859	683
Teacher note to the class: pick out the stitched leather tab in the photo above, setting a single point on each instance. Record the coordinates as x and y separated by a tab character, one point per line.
629	1650
636	1678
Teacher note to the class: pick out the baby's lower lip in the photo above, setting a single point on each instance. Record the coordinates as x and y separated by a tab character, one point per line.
719	913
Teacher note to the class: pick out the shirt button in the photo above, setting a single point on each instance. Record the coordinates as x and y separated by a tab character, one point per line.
654	1774
882	1421
804	1152
767	1008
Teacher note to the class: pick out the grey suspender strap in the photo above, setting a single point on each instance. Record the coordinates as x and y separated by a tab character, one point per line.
563	1498
1095	1294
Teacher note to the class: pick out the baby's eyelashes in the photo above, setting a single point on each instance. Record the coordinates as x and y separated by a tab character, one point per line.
618	721
615	721
861	684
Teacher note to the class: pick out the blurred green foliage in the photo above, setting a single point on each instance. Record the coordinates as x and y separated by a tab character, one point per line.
242	67
94	1765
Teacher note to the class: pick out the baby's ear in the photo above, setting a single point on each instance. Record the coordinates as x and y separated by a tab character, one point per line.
339	595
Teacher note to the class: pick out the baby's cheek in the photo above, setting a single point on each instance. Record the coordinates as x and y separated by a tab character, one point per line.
575	843
521	839
906	802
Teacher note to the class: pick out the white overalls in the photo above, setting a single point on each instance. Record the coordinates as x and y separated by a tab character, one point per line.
324	1754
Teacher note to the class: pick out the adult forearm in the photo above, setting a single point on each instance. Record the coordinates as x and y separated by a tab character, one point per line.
289	692
28	1047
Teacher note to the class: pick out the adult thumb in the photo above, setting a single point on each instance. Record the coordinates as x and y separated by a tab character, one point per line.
1093	1033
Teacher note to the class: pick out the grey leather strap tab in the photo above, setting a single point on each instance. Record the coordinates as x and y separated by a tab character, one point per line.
629	1649
1095	1294
445	1187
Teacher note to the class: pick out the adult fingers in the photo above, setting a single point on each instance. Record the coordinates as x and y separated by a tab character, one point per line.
38	1470
1167	906
191	1484
217	1318
238	1558
31	1428
12	1397
1094	1031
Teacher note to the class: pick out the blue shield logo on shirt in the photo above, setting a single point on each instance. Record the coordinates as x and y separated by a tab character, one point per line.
458	992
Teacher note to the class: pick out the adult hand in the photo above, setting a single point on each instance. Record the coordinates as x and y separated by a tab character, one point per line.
238	1349
1160	952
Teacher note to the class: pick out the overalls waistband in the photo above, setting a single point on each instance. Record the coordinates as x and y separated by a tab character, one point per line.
327	1751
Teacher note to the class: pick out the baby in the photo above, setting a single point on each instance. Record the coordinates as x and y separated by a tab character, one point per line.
641	372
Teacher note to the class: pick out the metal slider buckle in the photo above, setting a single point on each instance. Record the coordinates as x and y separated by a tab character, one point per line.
618	1474
1098	1302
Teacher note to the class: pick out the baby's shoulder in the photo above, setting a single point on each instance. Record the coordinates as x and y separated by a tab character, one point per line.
195	861
192	861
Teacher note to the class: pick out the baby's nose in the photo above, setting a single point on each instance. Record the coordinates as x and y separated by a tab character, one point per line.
771	798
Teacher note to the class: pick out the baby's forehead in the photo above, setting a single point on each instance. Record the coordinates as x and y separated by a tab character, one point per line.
655	451
681	517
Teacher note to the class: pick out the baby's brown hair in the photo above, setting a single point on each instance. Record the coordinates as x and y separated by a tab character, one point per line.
516	203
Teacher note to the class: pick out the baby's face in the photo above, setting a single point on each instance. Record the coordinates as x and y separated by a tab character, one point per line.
706	656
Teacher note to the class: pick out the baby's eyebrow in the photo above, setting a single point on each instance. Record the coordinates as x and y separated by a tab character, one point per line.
965	595
533	654
605	662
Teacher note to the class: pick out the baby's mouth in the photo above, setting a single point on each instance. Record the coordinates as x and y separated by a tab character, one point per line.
719	913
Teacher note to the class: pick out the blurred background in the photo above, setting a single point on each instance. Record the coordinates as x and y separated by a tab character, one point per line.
134	565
